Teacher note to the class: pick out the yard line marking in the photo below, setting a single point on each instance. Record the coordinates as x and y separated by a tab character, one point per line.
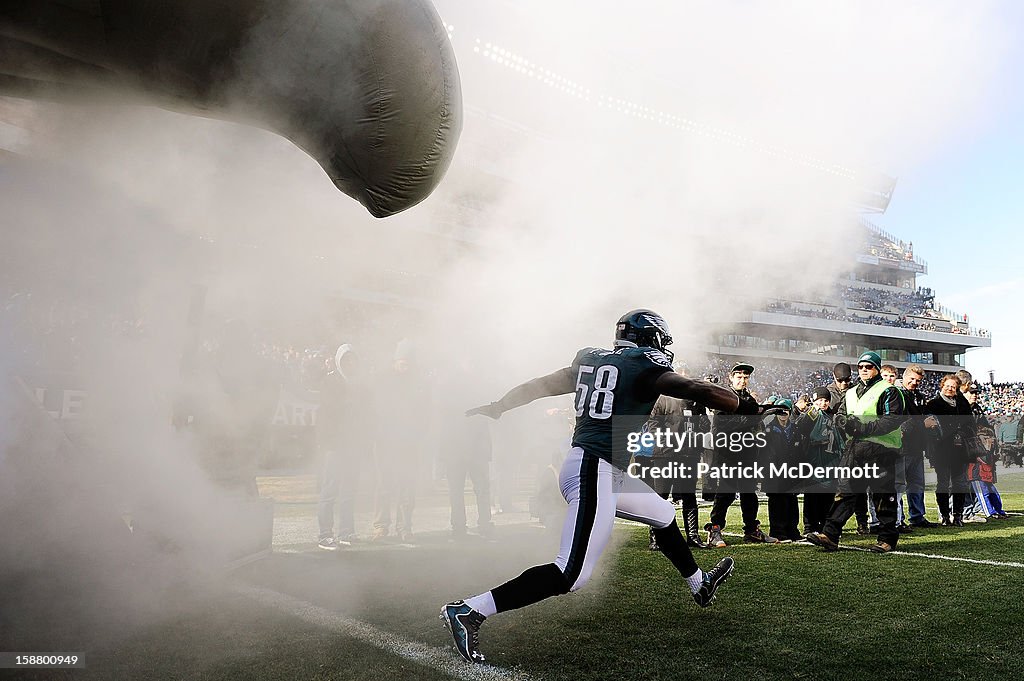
442	659
933	556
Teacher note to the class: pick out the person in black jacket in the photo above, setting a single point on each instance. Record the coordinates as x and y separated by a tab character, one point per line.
842	376
726	424
872	425
671	414
784	447
949	455
919	432
821	445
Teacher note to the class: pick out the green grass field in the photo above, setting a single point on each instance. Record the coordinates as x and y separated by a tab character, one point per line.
789	611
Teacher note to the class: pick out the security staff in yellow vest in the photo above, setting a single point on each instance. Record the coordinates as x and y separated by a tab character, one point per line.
873	411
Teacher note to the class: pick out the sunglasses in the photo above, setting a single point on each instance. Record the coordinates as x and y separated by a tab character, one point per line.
865	367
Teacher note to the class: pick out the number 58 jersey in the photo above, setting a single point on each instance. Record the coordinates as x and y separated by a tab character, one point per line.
614	397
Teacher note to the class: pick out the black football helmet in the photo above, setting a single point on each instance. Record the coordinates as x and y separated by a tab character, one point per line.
643	328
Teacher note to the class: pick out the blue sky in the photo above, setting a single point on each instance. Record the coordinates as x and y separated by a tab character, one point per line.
962	207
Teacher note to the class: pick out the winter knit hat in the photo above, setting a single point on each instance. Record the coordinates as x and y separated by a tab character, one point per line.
873	358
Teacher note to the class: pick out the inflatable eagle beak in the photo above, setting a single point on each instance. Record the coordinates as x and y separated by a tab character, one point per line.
368	88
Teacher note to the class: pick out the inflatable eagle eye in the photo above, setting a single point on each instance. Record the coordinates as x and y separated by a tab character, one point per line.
368	88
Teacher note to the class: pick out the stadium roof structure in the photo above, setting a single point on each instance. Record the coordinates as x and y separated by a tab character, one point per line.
876	305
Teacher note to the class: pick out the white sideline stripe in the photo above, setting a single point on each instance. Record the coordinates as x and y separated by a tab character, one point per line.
977	561
933	556
442	659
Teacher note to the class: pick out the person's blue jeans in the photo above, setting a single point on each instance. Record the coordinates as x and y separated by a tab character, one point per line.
913	469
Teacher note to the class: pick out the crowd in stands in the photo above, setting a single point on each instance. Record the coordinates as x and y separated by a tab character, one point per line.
880	300
884	248
1003	399
880	243
909	309
900	322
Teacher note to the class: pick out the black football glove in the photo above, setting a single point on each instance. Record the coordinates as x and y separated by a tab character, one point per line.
853	426
491	410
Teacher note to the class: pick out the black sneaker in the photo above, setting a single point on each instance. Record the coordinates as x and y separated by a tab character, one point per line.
713	578
464	624
862	529
924	522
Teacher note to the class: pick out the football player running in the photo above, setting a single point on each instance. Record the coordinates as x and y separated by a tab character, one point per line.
612	387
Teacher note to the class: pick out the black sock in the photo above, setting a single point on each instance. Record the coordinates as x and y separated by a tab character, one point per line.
672	544
535	584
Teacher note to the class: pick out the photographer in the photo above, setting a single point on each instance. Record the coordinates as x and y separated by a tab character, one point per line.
871	414
822	445
842	378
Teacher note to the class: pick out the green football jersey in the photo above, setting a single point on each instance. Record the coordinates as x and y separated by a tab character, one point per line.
609	401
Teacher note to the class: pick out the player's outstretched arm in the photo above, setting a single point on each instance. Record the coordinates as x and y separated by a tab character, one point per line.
557	383
710	395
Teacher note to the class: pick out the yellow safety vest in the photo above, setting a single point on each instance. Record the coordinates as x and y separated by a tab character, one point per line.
866	409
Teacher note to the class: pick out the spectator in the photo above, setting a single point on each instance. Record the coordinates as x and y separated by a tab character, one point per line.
783	447
948	454
918	431
466	452
822	446
729	425
344	441
873	412
671	414
401	432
